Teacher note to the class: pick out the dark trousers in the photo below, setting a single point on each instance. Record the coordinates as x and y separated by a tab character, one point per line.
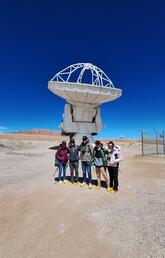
74	167
113	175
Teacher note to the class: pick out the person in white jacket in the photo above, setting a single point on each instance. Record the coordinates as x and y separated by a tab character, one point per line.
114	156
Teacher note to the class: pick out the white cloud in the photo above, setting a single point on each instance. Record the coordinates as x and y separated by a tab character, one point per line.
3	128
122	136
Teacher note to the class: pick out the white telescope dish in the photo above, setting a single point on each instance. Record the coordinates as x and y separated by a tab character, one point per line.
82	114
93	95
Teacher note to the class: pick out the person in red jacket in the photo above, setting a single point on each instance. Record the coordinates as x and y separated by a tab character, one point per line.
62	157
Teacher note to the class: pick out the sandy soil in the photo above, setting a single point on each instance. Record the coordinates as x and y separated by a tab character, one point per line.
40	219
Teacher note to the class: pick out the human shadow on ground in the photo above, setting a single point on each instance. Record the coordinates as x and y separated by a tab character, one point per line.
94	181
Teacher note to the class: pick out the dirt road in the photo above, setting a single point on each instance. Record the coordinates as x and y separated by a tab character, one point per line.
40	219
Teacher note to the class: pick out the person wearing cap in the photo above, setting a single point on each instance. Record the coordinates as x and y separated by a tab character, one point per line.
73	152
86	150
62	157
114	156
99	159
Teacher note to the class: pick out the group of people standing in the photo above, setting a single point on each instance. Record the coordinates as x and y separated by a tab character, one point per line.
99	156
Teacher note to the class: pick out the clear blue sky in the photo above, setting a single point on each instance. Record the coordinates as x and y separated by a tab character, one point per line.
124	38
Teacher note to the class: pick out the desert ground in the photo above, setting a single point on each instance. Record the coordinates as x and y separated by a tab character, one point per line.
41	219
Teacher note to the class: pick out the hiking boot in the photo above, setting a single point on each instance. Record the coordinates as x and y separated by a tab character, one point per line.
108	189
90	186
82	184
97	187
111	188
65	182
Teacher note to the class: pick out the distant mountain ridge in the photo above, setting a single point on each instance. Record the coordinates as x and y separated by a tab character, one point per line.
38	131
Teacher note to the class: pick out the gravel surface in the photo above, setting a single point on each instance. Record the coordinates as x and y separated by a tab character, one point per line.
40	219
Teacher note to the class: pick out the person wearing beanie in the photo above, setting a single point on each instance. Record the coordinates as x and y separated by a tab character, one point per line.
99	159
86	150
62	157
73	155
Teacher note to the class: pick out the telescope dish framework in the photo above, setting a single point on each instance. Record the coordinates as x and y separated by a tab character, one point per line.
99	78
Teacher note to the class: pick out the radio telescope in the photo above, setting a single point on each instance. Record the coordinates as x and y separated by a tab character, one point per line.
82	113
